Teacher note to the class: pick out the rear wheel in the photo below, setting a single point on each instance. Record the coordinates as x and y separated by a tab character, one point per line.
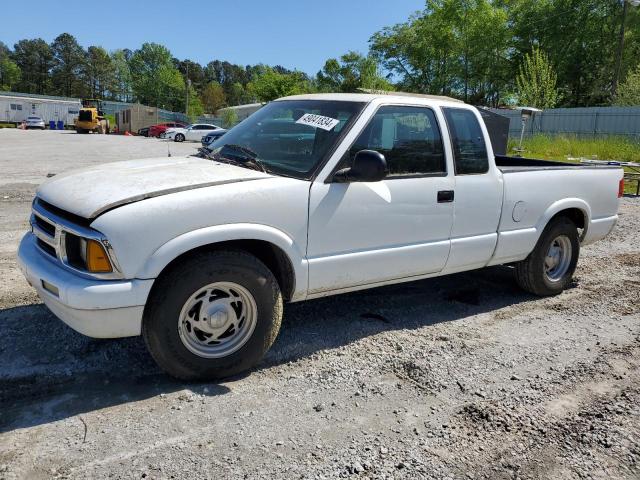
179	137
548	270
213	316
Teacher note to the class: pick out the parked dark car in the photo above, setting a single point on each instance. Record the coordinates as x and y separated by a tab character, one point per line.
144	132
160	128
212	137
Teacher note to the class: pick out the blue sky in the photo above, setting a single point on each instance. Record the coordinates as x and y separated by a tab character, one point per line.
296	34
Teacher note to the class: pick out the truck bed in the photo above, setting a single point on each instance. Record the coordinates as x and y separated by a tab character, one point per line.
508	164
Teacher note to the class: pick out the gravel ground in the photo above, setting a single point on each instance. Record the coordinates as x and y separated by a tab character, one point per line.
457	377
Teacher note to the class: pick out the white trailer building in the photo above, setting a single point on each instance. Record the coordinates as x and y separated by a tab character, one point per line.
16	107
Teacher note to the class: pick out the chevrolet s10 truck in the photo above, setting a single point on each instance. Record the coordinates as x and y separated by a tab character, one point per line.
311	196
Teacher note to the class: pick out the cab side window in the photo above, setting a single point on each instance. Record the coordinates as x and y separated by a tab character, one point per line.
469	149
408	137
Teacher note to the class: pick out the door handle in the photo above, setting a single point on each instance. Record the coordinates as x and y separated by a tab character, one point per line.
445	196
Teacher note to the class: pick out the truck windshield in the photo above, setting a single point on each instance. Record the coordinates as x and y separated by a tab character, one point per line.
289	137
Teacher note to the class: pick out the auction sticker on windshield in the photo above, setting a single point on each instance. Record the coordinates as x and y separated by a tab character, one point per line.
325	123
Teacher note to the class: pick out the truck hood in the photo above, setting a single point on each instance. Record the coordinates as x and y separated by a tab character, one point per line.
92	191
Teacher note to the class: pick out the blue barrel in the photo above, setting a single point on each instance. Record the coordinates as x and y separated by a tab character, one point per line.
52	125
60	125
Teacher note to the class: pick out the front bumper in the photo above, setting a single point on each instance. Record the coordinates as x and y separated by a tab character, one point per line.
96	308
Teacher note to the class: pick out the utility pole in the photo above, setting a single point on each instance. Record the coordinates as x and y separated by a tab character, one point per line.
188	82
618	72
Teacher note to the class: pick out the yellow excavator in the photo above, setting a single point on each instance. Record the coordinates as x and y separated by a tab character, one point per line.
91	118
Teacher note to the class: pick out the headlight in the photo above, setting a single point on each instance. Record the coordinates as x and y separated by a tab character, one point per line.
86	254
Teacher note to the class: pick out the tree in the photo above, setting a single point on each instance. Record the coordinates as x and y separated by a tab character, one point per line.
271	85
192	71
581	39
155	80
99	72
453	47
213	97
122	88
68	62
536	81
195	105
229	118
350	74
9	71
35	60
629	91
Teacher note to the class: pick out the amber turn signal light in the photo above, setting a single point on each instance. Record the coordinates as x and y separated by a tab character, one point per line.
97	260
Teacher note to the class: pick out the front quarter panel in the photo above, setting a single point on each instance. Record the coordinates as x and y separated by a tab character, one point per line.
147	235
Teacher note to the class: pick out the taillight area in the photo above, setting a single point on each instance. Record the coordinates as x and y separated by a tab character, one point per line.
621	188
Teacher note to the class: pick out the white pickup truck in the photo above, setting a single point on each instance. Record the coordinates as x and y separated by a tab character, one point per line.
311	196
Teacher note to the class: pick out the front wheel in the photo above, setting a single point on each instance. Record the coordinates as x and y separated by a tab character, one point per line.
548	270
179	137
213	316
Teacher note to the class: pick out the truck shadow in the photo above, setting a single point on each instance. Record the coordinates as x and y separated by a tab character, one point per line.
48	372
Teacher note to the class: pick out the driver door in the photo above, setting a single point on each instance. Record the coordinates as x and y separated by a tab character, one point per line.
372	233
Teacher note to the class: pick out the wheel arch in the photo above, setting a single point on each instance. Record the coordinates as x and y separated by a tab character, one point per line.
577	210
271	246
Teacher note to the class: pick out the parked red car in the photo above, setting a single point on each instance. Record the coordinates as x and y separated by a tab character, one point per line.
157	130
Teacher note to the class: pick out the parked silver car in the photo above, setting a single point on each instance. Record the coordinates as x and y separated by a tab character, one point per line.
34	122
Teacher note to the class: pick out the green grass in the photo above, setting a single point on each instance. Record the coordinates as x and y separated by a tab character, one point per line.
562	147
559	147
7	125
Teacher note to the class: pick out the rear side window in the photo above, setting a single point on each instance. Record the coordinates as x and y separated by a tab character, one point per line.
408	137
469	149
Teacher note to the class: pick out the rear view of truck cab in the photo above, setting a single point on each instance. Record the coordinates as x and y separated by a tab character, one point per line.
311	196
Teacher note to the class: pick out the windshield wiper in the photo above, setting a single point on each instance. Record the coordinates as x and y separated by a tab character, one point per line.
250	157
248	162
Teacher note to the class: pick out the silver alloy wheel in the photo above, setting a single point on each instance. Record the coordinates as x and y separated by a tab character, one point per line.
558	259
217	320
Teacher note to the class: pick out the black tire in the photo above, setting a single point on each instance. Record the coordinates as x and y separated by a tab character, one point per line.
179	137
530	272
173	289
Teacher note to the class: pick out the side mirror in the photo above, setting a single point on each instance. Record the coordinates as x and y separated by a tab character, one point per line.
368	166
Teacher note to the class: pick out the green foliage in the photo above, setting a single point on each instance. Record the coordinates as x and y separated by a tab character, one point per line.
471	49
229	118
237	94
453	47
629	91
122	81
559	147
155	79
35	60
195	105
68	65
98	72
213	97
9	73
536	81
351	73
271	84
581	39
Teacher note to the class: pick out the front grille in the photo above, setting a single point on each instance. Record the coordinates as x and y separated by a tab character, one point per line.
71	217
46	248
44	225
85	116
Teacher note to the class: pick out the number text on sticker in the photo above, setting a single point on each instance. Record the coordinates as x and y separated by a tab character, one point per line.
325	123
